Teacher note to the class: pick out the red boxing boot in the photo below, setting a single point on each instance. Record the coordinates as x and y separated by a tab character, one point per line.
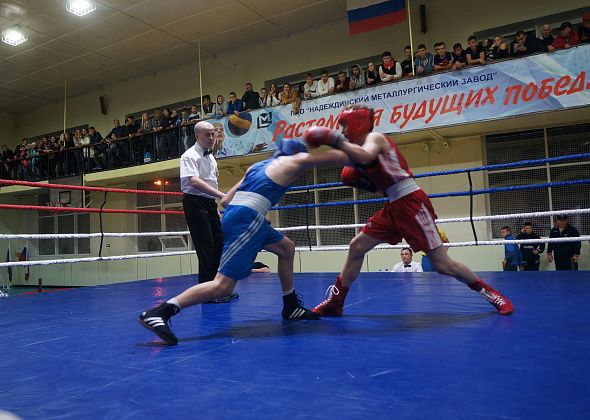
501	303
332	306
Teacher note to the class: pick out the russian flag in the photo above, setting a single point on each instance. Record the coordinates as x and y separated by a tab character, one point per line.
368	15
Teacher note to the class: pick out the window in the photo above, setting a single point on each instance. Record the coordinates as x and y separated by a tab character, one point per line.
49	223
540	144
159	222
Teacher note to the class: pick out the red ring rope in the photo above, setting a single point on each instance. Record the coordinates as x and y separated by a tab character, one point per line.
85	209
84	188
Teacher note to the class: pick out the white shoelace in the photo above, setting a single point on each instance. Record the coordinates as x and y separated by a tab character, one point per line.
492	297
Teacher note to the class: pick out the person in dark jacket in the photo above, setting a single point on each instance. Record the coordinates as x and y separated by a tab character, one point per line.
565	254
530	252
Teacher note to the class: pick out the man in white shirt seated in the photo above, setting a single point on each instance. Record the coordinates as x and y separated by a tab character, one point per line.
407	265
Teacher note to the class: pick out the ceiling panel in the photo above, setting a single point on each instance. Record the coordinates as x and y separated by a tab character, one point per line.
257	32
149	35
156	13
87	40
167	58
310	17
122	22
113	34
272	8
66	47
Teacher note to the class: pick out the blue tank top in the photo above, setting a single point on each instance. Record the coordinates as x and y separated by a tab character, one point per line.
257	182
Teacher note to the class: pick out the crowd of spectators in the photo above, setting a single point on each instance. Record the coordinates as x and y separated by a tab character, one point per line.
153	139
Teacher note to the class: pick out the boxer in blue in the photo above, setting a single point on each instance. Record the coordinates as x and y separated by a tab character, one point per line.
246	232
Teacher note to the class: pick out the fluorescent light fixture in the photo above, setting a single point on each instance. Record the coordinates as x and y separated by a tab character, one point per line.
13	37
80	7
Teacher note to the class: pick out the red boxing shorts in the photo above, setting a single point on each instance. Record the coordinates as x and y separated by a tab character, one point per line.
411	218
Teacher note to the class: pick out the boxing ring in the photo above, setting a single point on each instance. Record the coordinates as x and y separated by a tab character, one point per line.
410	345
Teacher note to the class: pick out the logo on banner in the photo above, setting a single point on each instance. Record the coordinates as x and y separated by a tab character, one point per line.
264	120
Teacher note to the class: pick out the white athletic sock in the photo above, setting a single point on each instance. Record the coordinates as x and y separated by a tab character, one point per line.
174	302
288	292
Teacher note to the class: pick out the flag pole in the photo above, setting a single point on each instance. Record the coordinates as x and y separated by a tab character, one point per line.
409	12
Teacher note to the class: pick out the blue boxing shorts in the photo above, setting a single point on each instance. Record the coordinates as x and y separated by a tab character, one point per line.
245	233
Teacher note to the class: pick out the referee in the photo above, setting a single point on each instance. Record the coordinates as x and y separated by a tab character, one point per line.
198	181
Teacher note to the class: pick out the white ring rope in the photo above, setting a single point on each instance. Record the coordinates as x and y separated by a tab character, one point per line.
300	249
286	229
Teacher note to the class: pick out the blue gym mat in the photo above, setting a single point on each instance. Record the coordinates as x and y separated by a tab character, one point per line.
411	345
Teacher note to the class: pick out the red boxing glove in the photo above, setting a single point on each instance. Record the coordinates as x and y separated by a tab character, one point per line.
318	136
353	177
350	176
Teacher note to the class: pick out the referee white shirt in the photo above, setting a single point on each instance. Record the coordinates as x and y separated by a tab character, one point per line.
199	162
412	267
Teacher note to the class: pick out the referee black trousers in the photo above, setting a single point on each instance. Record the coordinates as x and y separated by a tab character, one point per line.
205	228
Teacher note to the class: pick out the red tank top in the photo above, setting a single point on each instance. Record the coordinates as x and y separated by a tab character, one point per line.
389	168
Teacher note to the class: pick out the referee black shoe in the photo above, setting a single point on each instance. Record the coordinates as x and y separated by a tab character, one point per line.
157	320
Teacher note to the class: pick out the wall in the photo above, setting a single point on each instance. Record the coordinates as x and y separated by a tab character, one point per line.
8	133
451	21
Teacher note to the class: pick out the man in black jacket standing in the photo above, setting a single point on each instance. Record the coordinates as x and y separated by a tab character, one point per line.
566	253
530	252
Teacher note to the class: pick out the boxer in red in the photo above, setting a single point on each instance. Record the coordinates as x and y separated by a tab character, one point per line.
378	165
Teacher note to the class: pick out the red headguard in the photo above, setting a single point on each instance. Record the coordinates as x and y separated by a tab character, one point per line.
356	120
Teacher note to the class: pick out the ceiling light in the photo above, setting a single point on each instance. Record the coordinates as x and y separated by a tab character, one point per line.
80	7
13	37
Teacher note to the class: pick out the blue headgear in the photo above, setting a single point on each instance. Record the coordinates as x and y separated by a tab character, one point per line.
289	148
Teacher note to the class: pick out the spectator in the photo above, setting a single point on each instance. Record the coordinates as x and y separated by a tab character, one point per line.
219	150
258	267
194	116
390	69
118	130
424	64
235	105
273	96
219	107
207	107
250	98
325	84
100	149
546	38
498	49
372	75
567	38
87	151
443	60
475	52
523	45
165	139
187	138
566	253
131	126
406	64
310	88
512	257
530	252
459	57
584	29
407	265
263	97
357	77
175	115
289	96
343	83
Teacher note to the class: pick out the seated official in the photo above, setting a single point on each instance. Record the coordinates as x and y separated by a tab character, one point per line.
407	265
